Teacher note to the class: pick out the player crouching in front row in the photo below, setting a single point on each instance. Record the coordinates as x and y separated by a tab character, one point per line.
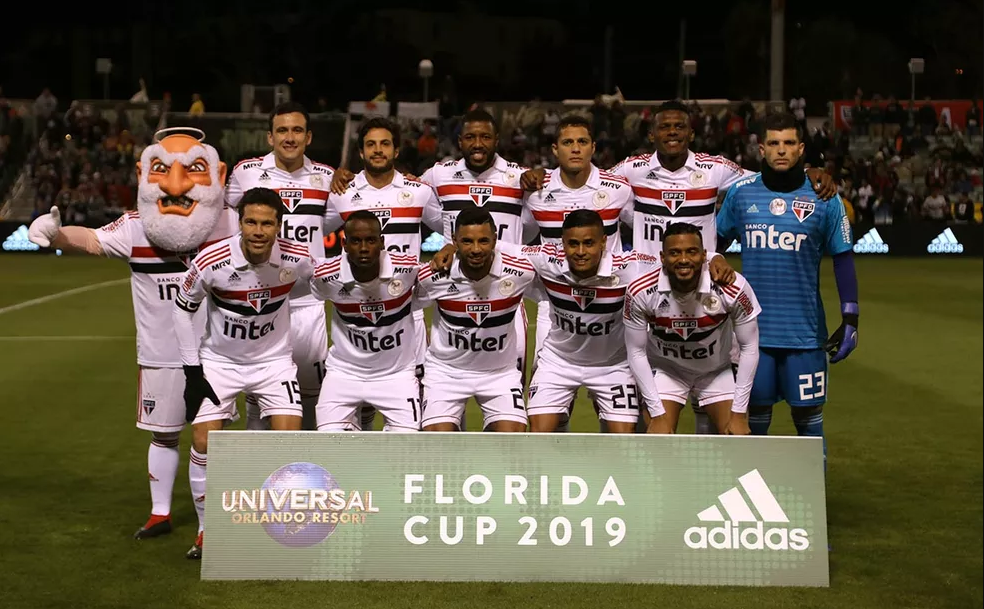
372	359
687	322
246	345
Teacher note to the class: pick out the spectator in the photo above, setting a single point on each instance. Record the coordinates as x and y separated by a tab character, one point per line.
935	207
876	118
963	209
141	96
926	117
864	195
197	105
973	118
859	117
894	117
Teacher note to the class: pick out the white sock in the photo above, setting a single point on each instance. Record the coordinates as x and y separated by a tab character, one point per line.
253	420
196	477
162	469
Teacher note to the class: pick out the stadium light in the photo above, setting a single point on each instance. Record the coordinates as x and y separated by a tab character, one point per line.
916	66
689	69
426	70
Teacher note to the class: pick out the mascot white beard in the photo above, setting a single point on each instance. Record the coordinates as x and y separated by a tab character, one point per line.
174	231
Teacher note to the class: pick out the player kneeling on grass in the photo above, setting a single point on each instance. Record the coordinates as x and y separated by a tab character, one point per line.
372	359
246	346
473	344
686	321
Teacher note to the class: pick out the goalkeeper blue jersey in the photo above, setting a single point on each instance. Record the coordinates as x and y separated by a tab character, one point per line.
783	237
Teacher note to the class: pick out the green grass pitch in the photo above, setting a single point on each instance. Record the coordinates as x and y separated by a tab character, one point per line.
903	423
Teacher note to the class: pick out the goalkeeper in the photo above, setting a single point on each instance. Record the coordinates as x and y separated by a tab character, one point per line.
784	231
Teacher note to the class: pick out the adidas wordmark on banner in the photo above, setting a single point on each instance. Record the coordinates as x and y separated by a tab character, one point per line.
18	241
871	243
739	527
945	243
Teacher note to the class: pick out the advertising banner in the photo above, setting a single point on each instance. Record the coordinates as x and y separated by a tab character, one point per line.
701	510
954	111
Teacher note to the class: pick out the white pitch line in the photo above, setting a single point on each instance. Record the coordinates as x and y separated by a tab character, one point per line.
31	339
57	295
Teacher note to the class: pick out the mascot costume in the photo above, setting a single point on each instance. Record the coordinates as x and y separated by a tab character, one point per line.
180	208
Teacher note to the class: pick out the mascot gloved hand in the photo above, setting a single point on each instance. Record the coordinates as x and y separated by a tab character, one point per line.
45	228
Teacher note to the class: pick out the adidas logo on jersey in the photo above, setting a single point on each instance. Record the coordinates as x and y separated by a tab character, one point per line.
945	243
871	243
458	176
18	241
741	529
549	197
652	176
234	277
356	197
453	289
752	210
734	248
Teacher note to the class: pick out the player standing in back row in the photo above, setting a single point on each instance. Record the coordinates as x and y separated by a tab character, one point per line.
400	204
303	186
784	232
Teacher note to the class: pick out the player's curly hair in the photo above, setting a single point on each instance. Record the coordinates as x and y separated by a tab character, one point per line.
480	116
378	122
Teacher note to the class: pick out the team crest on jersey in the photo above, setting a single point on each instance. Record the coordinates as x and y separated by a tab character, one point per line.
258	299
683	327
480	194
673	199
803	209
373	312
583	296
777	206
384	216
478	311
292	198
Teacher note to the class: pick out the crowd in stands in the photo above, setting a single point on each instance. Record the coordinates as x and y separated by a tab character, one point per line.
84	164
12	145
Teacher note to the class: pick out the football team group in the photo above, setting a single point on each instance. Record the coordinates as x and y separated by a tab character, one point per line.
643	329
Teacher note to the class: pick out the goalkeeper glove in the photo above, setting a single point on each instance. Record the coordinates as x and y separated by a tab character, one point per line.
845	338
196	390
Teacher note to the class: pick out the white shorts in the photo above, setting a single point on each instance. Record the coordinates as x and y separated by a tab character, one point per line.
675	385
160	399
446	390
273	384
611	388
395	396
309	343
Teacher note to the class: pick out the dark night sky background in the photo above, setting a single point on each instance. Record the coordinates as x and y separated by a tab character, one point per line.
343	50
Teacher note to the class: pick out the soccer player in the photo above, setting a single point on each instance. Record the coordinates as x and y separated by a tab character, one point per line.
303	187
401	204
678	185
246	345
784	231
481	178
687	322
179	210
585	286
372	358
473	346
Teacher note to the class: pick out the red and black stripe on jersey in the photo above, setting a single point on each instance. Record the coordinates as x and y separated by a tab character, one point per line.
551	222
394	220
161	261
585	299
480	313
680	211
459	197
367	314
250	303
294	200
685	329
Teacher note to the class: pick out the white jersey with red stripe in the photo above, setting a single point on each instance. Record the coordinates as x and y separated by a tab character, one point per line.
496	189
473	322
400	206
585	314
372	331
691	332
604	192
663	197
248	310
305	196
155	279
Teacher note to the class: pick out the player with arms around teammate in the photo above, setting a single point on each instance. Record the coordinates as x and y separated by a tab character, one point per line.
246	346
784	231
686	322
585	287
303	186
179	210
372	358
473	345
399	202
